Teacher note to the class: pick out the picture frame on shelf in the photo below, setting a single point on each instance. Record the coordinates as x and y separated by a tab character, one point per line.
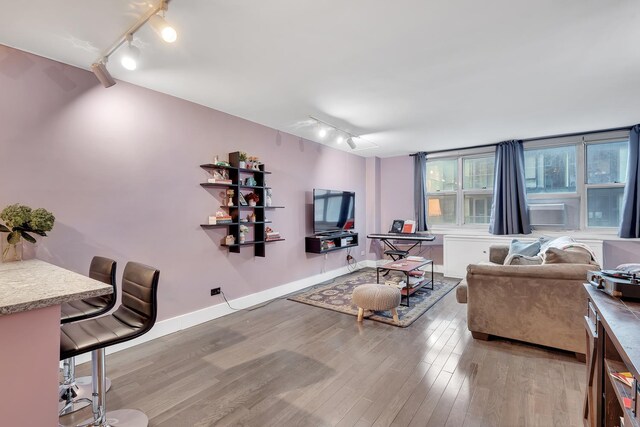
241	200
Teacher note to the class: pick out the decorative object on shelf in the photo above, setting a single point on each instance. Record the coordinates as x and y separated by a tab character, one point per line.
243	231
267	200
254	163
229	240
219	176
270	234
252	198
21	220
242	160
251	161
241	200
212	220
251	217
223	218
230	193
250	181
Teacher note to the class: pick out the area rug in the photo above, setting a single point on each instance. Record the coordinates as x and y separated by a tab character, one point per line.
336	296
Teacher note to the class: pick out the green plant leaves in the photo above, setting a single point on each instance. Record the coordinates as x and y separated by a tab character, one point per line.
4	229
26	237
14	237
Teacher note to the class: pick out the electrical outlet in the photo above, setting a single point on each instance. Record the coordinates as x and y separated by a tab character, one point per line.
215	291
361	253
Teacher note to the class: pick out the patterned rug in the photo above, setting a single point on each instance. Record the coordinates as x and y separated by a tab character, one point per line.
336	296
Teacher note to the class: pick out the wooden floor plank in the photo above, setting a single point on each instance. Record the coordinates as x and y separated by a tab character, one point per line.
292	364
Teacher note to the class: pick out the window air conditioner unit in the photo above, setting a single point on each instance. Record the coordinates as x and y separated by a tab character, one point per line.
547	214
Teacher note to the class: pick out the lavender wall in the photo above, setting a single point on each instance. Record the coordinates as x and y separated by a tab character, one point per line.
119	169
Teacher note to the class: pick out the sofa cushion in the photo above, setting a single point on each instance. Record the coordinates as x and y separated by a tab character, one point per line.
567	256
524	248
517	259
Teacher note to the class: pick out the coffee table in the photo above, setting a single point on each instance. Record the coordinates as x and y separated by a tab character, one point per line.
406	266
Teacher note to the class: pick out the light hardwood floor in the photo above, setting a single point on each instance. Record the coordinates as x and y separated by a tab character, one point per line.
292	364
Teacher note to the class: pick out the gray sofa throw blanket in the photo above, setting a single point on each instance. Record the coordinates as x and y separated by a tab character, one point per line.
509	213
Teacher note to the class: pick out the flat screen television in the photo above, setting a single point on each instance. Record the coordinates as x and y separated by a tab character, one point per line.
333	210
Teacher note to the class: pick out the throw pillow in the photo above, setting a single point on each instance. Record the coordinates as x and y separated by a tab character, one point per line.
524	248
569	256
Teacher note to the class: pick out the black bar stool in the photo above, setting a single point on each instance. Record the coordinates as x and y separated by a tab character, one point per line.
73	392
133	318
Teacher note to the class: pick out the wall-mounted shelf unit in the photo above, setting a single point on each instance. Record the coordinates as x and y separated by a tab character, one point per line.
320	244
236	182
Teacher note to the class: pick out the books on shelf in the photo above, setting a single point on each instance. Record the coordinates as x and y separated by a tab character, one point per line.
219	181
273	235
624	377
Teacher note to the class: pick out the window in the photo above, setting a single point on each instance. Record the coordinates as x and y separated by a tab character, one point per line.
606	169
442	187
477	185
550	170
577	182
464	181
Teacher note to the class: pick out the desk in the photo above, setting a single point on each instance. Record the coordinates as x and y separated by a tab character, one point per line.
388	238
30	296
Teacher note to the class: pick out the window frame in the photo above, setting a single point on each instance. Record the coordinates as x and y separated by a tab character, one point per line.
584	205
579	142
460	192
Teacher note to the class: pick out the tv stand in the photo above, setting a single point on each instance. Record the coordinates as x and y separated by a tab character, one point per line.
331	241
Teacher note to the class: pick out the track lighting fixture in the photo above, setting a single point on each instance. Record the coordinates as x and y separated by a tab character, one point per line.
130	56
100	70
324	128
163	29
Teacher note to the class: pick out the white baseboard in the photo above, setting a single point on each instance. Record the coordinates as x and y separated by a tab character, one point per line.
184	321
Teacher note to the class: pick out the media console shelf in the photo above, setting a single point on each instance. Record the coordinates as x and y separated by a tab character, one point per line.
613	345
320	244
235	180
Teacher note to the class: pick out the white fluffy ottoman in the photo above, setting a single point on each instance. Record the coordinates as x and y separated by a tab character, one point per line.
372	296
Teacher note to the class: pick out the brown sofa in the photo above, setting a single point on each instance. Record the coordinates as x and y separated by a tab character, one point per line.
540	304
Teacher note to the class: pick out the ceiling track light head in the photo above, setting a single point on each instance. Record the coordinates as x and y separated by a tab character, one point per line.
101	72
351	143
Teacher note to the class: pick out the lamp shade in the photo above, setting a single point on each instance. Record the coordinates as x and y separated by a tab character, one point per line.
434	207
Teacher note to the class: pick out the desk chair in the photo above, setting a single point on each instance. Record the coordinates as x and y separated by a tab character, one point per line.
133	318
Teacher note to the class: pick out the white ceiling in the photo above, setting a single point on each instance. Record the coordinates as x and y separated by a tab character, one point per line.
407	75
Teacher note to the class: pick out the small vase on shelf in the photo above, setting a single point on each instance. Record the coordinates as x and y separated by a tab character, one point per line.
242	164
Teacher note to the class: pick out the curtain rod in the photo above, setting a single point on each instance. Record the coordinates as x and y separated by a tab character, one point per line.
539	138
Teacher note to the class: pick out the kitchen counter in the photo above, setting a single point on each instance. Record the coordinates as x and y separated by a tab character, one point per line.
32	284
30	296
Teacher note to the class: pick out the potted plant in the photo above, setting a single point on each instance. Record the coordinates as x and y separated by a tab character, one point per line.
20	220
252	199
242	159
243	229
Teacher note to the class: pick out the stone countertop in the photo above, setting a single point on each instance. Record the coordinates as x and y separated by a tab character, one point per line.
32	284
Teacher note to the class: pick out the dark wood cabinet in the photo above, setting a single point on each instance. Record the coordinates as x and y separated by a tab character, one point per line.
238	211
613	345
